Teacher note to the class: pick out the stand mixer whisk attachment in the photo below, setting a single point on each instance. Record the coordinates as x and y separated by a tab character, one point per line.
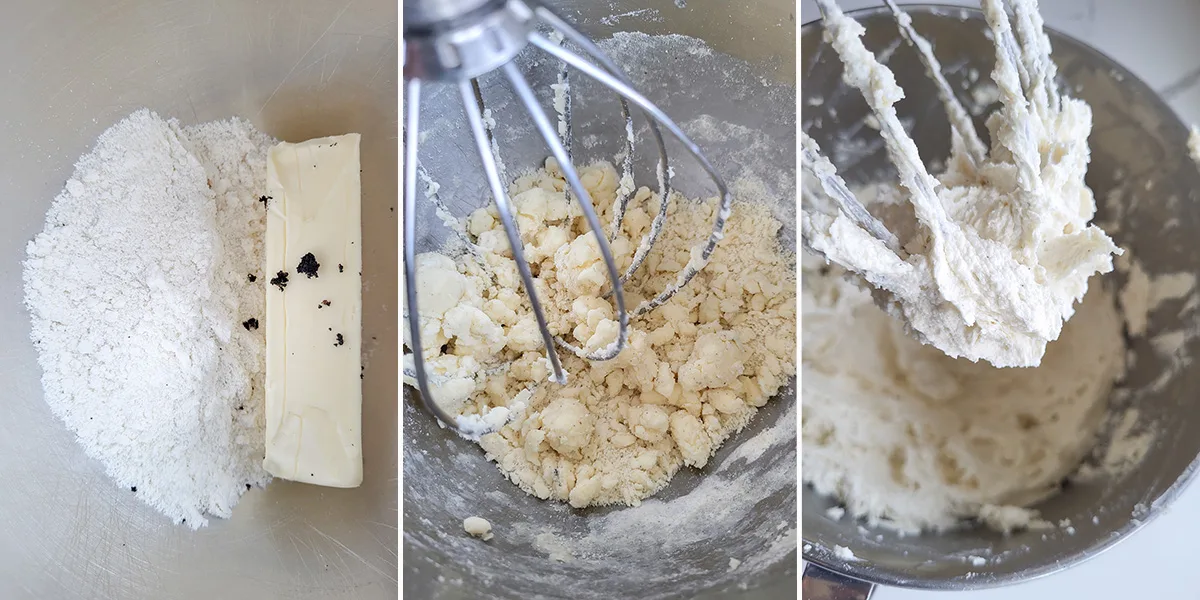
456	41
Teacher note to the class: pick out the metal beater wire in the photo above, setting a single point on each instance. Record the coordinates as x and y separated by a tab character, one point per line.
411	124
664	167
626	171
525	93
475	121
658	115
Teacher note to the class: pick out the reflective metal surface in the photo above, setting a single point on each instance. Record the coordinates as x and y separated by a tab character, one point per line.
424	13
749	81
297	69
1138	151
464	47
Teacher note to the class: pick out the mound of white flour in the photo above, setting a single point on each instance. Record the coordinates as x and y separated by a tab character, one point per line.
141	291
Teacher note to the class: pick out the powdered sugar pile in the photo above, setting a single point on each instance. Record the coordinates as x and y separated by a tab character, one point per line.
141	290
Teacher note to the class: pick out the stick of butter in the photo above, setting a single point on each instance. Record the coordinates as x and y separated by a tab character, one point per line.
314	312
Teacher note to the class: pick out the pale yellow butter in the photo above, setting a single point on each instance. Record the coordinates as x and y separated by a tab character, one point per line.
314	385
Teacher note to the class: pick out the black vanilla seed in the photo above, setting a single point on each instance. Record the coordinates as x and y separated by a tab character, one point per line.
252	277
308	265
264	199
340	340
340	268
250	323
133	489
280	280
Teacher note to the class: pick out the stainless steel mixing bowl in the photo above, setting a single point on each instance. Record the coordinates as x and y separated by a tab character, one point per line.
664	548
297	69
1138	151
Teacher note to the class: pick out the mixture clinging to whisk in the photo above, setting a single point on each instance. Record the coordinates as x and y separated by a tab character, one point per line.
1001	246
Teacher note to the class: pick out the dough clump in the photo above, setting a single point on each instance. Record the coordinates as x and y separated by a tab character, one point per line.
478	527
904	423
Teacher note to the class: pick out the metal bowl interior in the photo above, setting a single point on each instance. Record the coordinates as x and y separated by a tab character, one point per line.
296	69
1138	154
669	547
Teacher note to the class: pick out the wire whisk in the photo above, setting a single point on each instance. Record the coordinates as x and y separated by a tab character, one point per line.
454	42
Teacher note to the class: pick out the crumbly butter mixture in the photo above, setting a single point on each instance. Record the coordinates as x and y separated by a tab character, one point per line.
911	439
694	372
992	256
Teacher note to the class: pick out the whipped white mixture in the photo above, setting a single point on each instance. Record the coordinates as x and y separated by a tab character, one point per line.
905	422
988	260
911	439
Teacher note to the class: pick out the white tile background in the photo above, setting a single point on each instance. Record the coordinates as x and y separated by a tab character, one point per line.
1159	41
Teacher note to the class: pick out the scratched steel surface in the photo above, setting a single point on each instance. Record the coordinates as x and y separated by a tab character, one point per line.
297	69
